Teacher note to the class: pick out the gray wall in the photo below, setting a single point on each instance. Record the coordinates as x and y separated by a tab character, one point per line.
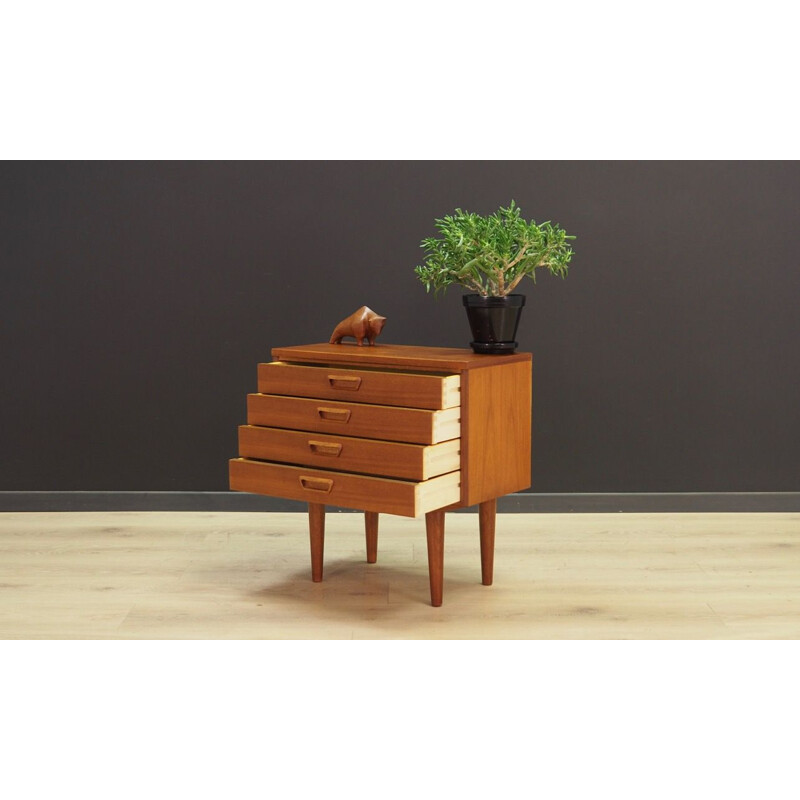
137	299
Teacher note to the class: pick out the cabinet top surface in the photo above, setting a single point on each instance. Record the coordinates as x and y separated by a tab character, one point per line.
433	359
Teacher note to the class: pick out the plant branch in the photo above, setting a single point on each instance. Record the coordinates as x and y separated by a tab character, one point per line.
516	280
521	253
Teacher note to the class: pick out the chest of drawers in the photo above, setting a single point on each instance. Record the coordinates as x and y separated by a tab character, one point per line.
389	429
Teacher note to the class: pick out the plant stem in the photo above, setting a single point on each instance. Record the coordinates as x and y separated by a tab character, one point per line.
513	283
520	255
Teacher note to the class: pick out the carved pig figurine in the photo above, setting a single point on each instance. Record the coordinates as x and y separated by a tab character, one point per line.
361	324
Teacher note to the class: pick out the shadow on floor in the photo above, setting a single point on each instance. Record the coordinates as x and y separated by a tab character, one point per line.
366	591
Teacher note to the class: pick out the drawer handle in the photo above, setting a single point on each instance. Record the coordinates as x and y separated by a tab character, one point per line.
325	448
316	484
344	382
334	414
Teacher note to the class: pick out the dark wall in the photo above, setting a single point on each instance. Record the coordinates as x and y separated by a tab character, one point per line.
137	299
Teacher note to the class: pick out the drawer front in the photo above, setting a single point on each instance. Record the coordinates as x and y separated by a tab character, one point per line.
361	386
372	456
366	493
391	423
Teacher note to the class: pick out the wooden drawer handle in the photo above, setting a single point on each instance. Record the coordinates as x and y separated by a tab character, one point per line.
316	484
325	448
334	414
344	382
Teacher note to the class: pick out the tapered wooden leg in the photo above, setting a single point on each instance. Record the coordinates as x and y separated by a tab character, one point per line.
487	513
434	526
371	525
316	527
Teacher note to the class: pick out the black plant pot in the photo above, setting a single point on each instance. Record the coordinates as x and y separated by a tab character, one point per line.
494	322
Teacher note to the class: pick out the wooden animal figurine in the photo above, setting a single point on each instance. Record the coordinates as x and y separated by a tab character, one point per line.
361	324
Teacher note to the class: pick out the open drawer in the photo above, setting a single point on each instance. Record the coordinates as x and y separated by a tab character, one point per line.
345	489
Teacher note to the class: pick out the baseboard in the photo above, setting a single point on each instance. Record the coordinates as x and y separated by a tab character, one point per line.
522	503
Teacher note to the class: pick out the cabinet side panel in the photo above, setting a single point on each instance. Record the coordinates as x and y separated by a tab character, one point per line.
496	434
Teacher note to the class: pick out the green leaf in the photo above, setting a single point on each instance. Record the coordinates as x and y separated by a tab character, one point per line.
485	253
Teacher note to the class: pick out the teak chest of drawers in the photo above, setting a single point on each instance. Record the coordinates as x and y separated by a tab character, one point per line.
389	429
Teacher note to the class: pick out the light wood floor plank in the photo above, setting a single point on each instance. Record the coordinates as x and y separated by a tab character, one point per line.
175	575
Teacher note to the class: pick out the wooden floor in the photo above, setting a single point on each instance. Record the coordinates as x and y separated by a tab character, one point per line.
155	575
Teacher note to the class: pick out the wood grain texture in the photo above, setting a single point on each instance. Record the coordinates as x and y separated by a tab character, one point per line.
316	530
371	456
487	515
391	423
344	489
496	431
380	387
434	530
371	531
244	575
394	356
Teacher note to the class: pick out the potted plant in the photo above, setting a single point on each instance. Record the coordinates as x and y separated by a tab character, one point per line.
491	255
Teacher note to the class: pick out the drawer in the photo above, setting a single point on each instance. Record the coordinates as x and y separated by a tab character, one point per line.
366	493
394	459
361	385
392	423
